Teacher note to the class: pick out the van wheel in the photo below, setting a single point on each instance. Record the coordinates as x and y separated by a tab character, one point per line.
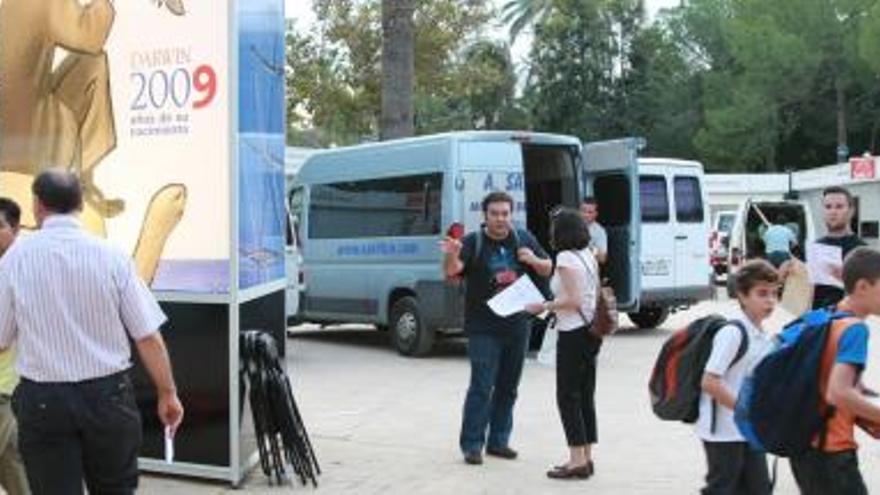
409	334
649	317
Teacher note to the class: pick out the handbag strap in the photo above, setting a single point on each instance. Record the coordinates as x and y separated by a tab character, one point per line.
587	269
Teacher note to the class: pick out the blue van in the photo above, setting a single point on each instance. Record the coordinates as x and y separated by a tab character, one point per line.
370	218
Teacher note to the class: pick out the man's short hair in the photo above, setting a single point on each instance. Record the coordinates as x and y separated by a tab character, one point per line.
839	190
862	263
58	190
497	197
10	211
590	200
752	273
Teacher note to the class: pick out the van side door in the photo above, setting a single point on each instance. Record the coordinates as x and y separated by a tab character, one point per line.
691	232
657	261
609	172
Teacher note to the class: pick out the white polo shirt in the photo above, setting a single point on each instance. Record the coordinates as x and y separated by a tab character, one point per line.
724	349
71	300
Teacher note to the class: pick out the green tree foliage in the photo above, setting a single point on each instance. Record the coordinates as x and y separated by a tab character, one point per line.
742	85
580	69
798	77
334	71
519	14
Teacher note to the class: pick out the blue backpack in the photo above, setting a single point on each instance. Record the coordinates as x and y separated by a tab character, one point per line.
779	408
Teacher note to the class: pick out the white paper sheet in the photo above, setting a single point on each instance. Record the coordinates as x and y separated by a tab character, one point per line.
169	446
515	298
821	258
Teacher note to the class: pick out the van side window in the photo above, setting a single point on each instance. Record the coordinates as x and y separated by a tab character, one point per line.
612	194
654	199
688	200
393	207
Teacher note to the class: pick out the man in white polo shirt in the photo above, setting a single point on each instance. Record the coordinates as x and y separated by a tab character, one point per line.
598	238
71	302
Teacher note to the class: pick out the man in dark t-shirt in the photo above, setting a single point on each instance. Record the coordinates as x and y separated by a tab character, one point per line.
489	261
837	204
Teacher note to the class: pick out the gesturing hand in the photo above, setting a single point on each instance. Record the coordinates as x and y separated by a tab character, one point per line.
451	246
526	255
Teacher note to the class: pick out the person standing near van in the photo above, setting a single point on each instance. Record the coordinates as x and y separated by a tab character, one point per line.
13	478
838	208
575	286
779	238
598	237
496	345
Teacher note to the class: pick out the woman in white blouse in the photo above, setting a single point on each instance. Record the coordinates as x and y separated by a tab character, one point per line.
575	284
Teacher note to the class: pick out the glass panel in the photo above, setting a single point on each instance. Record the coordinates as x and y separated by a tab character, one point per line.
395	207
688	200
654	199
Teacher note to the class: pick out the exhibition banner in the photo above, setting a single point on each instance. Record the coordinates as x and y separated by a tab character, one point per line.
133	97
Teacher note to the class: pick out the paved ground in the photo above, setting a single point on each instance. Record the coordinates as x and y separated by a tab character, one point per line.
383	424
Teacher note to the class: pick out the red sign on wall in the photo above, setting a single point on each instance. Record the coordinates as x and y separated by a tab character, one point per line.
863	167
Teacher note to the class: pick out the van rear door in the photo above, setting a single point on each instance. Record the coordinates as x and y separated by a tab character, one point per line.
293	255
609	171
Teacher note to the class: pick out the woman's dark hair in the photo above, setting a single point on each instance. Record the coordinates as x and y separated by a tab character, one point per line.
568	231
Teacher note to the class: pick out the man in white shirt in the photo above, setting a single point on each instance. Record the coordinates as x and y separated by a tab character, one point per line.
71	302
598	237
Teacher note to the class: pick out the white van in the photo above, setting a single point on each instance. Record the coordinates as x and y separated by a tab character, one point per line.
674	260
745	241
371	217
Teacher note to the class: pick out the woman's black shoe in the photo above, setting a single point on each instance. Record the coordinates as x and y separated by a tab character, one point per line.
567	473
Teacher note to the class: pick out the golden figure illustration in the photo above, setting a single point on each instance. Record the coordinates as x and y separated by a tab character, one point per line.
64	117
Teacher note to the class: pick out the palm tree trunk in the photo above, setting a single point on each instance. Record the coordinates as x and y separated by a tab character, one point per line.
841	111
398	53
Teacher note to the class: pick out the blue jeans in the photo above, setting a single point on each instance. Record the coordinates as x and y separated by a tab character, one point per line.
496	367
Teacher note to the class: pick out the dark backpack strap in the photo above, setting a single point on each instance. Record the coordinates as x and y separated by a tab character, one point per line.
744	343
478	246
740	353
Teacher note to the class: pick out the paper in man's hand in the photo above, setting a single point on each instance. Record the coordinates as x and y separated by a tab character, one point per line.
821	259
515	297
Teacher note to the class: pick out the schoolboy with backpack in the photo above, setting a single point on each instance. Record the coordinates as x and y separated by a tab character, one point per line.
698	375
804	399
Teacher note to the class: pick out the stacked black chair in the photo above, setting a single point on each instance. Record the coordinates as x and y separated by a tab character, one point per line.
281	434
